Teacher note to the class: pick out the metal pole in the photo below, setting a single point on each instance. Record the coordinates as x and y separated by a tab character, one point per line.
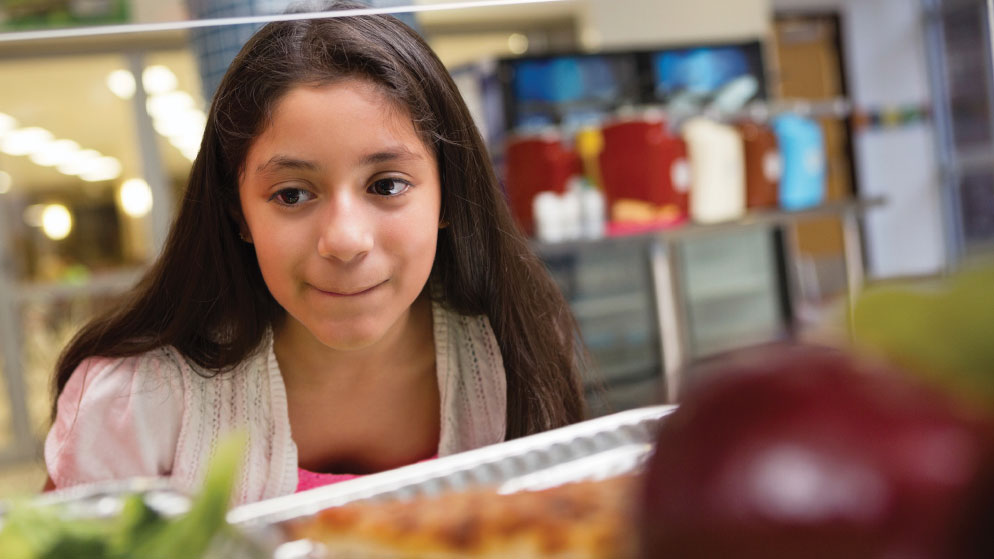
670	313
853	251
949	175
792	283
151	161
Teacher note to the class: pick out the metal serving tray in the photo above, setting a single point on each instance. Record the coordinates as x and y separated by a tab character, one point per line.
591	450
105	501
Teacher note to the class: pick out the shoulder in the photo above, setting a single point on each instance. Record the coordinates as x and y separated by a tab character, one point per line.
103	378
135	382
157	413
116	417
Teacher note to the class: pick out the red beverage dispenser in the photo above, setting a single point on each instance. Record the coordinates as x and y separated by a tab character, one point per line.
641	160
536	163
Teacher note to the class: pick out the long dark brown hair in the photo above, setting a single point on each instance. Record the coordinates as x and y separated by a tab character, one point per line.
205	294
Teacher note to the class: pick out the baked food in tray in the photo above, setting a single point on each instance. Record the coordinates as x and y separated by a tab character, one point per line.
588	519
562	493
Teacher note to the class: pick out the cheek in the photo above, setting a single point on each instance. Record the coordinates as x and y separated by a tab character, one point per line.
413	237
272	266
277	253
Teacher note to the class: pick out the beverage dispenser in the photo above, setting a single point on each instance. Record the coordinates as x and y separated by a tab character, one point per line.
717	162
803	147
642	160
536	163
763	164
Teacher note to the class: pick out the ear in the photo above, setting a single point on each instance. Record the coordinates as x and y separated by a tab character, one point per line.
243	231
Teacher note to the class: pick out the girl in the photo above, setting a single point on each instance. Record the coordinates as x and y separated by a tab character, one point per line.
343	282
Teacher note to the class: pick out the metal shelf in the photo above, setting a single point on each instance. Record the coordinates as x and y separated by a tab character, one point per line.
758	218
671	295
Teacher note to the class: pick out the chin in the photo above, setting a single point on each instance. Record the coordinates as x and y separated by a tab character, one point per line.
349	338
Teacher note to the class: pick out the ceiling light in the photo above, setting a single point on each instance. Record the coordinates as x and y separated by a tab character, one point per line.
103	169
80	162
158	79
65	155
56	221
5	182
55	153
189	141
168	104
121	83
24	141
7	123
135	197
184	124
517	43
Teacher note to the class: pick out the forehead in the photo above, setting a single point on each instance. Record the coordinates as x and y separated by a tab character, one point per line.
352	115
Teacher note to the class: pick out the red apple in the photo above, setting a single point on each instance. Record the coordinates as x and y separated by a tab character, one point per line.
803	452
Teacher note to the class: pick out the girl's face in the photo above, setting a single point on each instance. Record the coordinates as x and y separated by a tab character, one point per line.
341	200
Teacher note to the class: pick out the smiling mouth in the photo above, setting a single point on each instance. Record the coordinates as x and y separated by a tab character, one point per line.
349	293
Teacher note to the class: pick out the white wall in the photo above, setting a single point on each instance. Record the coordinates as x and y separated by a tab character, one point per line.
885	63
626	23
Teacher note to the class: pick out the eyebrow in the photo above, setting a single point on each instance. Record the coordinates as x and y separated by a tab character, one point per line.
279	162
396	154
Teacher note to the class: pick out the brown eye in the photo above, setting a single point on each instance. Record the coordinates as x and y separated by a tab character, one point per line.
389	187
291	196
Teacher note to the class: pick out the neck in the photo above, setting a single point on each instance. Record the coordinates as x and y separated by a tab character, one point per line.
307	364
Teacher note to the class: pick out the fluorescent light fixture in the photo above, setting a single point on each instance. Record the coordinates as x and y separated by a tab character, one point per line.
167	104
80	162
55	153
135	197
181	124
5	182
186	142
103	169
24	141
56	221
65	155
158	79
176	117
121	83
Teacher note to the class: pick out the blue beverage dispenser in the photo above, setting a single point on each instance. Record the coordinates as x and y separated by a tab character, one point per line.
802	146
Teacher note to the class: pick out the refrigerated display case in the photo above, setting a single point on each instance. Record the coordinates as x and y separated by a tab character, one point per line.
650	304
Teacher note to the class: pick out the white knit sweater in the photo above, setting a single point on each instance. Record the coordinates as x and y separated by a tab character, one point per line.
159	414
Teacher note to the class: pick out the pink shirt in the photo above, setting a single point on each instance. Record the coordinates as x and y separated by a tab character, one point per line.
307	479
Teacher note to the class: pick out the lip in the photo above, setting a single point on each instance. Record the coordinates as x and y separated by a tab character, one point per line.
348	293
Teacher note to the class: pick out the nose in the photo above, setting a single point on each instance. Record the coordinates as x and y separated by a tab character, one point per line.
346	230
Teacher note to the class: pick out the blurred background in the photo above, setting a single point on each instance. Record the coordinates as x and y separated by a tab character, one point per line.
698	176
